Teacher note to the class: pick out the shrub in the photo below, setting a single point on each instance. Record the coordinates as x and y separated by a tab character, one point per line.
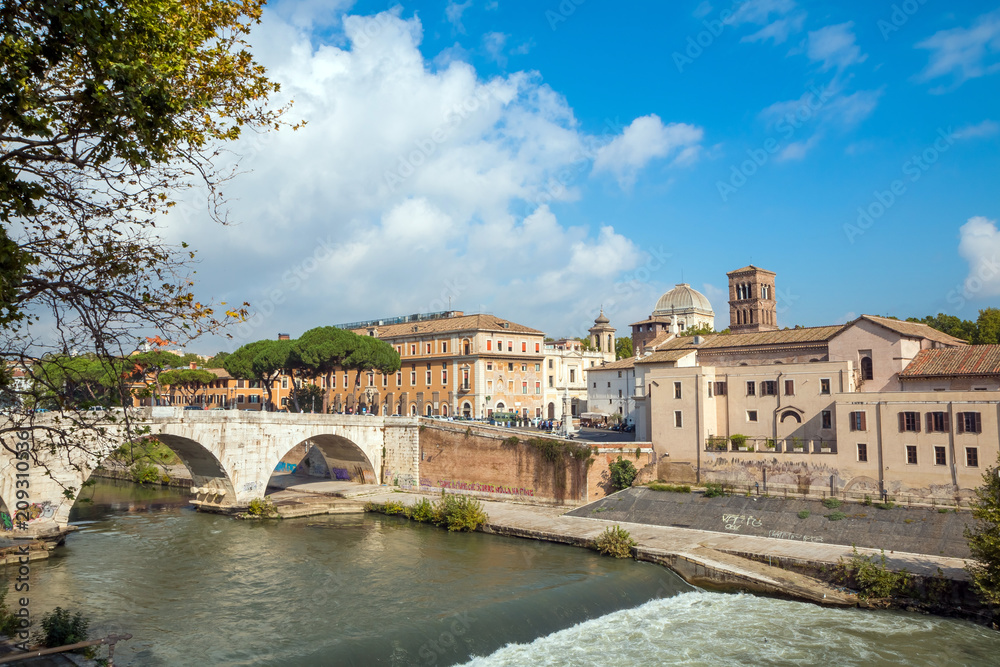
886	505
831	503
422	511
718	442
835	516
260	508
871	576
144	473
670	487
459	513
393	507
868	501
623	473
714	490
804	514
615	541
59	628
738	440
770	444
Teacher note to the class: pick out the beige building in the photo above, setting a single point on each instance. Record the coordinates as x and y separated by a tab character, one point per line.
566	368
676	311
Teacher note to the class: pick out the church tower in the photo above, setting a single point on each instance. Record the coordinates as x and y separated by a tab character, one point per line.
752	305
602	337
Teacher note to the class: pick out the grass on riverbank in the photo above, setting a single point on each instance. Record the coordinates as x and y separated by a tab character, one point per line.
145	460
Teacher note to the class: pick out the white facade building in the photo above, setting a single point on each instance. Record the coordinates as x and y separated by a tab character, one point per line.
611	389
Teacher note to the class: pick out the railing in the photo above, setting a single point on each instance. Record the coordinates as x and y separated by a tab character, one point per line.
771	445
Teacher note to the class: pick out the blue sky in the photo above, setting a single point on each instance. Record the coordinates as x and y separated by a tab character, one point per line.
604	152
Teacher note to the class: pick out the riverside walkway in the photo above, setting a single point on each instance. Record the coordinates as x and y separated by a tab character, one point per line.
703	558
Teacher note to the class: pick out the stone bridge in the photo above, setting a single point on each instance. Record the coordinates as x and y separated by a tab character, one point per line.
231	456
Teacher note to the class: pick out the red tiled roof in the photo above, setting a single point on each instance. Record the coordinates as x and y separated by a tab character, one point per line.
621	364
948	362
482	322
912	329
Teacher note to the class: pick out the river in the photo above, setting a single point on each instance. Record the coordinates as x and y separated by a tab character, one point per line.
201	589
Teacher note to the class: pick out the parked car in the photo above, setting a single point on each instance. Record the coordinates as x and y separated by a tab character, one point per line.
193	407
96	408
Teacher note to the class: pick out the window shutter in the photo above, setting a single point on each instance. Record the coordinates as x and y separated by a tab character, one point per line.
930	422
947	425
979	424
902	422
861	420
960	427
916	421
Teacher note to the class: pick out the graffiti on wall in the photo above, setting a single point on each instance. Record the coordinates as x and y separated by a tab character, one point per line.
35	512
285	467
340	473
736	521
476	486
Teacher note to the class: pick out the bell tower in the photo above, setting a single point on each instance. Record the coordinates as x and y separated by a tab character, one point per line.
602	337
752	305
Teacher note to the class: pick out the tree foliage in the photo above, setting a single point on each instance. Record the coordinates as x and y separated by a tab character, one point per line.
262	360
188	381
985	330
623	348
623	473
109	111
984	537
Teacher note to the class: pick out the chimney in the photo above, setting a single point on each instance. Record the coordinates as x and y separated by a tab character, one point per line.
282	336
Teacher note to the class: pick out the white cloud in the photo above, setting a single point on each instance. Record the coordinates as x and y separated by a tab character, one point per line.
494	43
834	46
987	128
645	139
778	31
979	245
453	12
412	185
760	11
964	53
797	150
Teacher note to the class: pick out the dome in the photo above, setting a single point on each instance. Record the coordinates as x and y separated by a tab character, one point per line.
682	297
602	318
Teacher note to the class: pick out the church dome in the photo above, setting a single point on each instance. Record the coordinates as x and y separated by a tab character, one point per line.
682	297
602	318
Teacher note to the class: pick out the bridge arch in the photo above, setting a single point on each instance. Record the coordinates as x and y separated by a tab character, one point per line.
207	471
328	456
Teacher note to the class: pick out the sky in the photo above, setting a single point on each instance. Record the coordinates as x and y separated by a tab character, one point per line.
542	160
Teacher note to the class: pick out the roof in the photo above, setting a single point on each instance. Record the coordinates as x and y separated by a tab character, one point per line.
665	356
805	335
949	362
602	318
750	268
619	365
682	298
653	319
220	373
480	322
912	329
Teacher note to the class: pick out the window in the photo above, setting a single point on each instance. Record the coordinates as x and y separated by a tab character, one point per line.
720	388
255	399
857	421
619	373
677	390
937	422
824	386
789	387
524	346
867	372
489	386
444	348
371	379
399	379
939	456
239	398
911	455
510	367
510	346
538	347
972	457
444	376
862	452
826	418
465	378
489	365
538	367
399	350
572	375
551	381
413	349
768	388
751	415
909	421
969	422
550	363
678	419
489	346
385	380
751	391
413	378
710	390
609	385
619	393
284	383
524	367
524	387
239	384
538	387
427	348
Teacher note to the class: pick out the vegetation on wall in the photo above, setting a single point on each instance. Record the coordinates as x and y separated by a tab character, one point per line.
984	537
623	473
